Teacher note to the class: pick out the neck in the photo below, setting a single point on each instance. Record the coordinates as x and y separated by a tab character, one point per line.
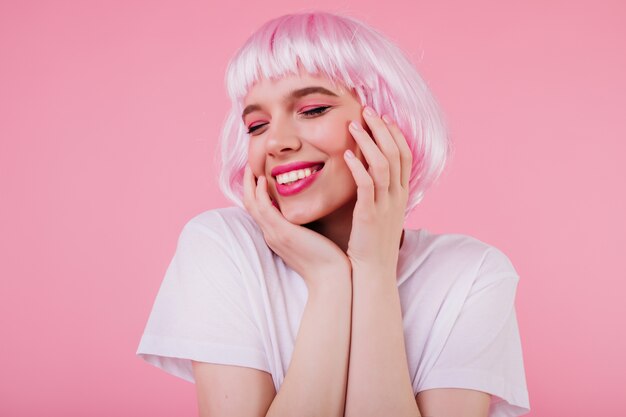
336	226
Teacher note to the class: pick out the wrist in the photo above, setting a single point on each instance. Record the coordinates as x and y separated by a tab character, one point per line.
379	262
384	265
330	281
377	272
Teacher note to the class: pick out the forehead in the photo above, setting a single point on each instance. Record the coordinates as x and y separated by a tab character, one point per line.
265	88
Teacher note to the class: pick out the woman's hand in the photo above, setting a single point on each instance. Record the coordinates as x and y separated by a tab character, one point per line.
316	258
382	193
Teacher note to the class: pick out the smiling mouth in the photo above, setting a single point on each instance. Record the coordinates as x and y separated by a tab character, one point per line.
292	177
296	181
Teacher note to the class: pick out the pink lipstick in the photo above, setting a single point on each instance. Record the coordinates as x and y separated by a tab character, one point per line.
292	166
298	185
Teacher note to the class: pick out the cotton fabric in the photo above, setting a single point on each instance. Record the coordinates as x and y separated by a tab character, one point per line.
228	299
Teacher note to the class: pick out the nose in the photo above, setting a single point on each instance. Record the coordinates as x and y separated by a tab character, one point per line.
282	139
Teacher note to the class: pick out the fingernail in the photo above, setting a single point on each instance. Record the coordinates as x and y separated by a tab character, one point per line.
387	119
349	154
355	125
370	111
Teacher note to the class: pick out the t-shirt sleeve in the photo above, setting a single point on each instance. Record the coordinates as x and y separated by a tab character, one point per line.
202	311
483	350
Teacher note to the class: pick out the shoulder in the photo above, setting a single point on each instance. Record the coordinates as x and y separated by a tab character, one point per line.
461	252
224	219
229	229
223	223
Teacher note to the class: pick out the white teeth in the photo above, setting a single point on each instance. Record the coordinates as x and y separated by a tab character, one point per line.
292	176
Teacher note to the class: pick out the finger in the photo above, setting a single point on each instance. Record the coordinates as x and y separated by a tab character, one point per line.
272	215
363	180
386	143
251	198
249	194
378	164
406	156
276	227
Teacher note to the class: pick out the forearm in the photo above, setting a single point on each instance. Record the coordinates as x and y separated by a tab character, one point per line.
378	380
315	383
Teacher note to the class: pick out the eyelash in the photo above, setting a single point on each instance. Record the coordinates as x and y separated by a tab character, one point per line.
312	112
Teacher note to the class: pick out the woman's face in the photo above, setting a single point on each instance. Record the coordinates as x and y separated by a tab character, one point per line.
302	120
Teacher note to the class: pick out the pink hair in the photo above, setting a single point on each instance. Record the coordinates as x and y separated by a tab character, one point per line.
348	52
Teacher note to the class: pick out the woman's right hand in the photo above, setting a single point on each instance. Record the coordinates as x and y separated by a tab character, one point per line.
316	258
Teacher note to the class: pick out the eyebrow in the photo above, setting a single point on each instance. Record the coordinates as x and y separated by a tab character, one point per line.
292	95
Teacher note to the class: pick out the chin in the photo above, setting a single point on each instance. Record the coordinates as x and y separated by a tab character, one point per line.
308	214
305	211
299	217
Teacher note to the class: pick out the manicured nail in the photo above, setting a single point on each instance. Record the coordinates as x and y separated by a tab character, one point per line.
349	154
355	125
387	119
370	111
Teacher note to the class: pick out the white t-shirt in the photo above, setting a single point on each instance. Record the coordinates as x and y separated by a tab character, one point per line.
228	299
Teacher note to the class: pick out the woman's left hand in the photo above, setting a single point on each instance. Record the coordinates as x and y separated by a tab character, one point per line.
382	193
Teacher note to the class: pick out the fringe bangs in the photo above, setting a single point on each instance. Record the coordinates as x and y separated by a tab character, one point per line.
285	45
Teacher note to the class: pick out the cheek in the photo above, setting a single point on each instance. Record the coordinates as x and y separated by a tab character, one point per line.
333	138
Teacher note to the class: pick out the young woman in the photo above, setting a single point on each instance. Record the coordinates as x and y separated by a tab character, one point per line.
308	298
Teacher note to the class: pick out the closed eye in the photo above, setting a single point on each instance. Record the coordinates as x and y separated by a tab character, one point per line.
255	127
315	111
308	113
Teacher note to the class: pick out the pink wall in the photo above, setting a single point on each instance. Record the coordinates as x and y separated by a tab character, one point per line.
109	114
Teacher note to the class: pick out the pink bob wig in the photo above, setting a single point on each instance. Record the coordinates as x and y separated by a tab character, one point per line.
353	55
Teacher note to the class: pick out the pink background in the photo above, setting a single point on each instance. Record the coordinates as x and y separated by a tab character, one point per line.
109	118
